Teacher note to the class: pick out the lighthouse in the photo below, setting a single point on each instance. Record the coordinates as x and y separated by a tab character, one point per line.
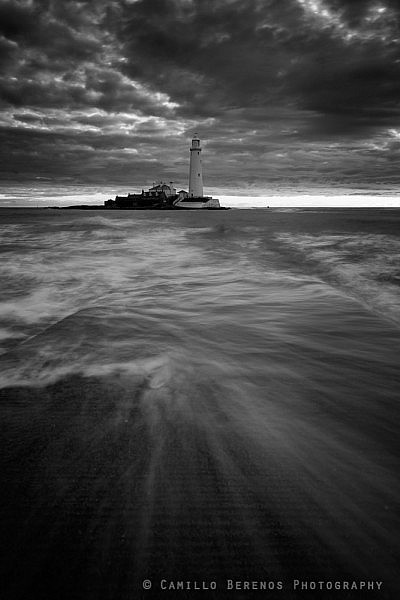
196	169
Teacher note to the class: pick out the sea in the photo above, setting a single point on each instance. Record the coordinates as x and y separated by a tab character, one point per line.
200	404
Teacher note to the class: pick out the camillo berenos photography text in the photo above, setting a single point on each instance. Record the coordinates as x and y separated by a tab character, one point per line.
264	585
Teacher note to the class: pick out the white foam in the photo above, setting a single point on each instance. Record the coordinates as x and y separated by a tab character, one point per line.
354	263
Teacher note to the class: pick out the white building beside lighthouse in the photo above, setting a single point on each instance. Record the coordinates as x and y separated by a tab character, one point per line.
195	169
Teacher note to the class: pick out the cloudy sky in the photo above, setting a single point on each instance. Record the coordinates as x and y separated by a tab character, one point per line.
283	92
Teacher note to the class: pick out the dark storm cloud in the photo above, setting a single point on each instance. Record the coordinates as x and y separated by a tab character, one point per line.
282	87
81	157
16	21
37	27
210	55
61	55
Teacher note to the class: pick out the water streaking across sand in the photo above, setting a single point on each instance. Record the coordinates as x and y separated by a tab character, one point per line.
199	397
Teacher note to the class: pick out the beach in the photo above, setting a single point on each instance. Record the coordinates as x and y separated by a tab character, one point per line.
203	397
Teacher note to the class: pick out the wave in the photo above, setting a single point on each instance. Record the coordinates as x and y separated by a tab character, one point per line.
198	395
364	266
153	457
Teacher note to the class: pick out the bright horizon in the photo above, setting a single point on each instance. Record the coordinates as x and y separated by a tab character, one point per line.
30	197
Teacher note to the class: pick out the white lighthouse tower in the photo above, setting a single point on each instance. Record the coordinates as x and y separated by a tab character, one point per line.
195	198
196	169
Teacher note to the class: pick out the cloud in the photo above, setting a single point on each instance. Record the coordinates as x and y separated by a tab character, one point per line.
275	87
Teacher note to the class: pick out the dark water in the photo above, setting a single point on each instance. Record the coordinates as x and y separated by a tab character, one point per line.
199	397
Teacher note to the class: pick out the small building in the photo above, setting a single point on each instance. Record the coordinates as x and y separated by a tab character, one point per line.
158	196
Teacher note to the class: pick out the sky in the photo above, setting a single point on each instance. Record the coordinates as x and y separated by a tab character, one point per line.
285	94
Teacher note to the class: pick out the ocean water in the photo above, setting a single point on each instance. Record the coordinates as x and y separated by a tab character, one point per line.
199	397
